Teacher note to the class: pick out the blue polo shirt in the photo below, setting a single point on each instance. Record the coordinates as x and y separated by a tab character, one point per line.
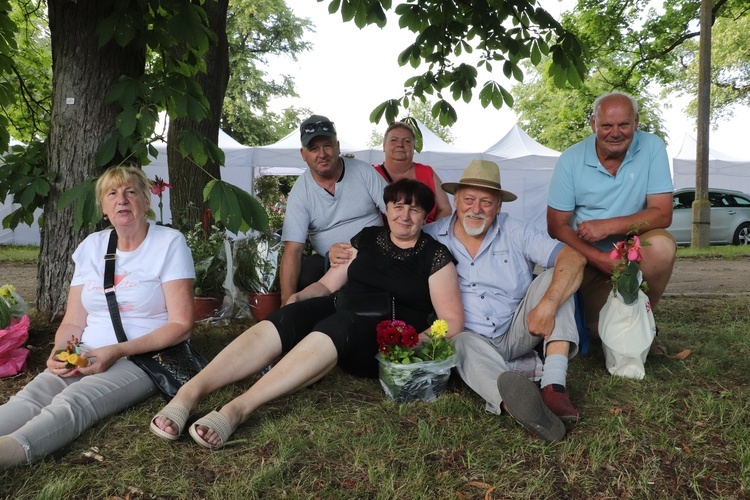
580	184
495	281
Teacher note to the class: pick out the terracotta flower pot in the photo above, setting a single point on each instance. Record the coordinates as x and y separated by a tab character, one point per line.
263	304
206	307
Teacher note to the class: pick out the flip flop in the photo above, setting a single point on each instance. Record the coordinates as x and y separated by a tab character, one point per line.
216	422
524	403
175	412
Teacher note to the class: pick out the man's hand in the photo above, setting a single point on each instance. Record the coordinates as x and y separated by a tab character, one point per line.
592	231
541	320
339	254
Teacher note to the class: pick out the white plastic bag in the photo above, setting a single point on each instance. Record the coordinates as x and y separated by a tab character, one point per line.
626	331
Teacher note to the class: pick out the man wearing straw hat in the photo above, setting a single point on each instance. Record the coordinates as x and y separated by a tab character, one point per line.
508	312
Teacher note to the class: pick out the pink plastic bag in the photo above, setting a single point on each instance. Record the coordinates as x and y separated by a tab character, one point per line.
13	362
12	355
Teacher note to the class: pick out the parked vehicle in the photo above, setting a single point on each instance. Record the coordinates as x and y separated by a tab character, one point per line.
730	216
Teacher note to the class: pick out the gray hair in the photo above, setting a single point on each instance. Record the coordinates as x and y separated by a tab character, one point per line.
598	101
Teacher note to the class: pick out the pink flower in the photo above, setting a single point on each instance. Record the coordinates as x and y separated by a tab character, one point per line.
634	252
158	186
619	252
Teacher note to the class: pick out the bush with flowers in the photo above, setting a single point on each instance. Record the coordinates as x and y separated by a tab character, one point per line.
409	372
14	331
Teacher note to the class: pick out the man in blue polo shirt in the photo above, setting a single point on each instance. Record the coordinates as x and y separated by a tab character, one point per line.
616	179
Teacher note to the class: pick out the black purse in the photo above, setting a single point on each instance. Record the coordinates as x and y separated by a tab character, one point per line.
169	368
376	304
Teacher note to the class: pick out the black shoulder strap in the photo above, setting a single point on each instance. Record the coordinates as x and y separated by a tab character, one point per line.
109	287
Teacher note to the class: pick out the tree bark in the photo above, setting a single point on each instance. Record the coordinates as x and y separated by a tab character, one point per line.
187	179
81	120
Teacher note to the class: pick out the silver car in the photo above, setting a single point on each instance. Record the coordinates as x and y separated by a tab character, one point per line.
730	216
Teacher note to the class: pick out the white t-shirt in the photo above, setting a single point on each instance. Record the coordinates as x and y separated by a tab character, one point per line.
163	256
357	203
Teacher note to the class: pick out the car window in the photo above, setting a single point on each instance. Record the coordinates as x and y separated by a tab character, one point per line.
718	200
740	201
684	200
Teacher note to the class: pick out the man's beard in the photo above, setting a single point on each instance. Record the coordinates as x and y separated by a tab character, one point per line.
474	231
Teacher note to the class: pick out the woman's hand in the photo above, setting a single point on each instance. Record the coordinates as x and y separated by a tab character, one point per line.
57	367
101	359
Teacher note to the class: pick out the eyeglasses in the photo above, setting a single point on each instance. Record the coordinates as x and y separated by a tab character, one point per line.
324	126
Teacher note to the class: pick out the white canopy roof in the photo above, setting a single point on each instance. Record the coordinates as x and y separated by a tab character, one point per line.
525	170
724	171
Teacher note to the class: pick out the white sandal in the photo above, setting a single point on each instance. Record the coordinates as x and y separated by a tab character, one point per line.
177	414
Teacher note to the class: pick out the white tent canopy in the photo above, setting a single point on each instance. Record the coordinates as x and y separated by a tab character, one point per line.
724	171
525	170
525	167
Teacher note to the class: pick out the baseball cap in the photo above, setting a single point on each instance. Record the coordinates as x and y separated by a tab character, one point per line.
314	126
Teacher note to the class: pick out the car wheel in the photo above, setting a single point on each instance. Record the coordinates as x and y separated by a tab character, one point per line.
742	235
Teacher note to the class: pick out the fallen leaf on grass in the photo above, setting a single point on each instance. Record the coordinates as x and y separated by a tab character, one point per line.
477	484
682	354
87	457
617	411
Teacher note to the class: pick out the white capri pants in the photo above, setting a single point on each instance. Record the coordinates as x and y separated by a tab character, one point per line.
481	360
52	411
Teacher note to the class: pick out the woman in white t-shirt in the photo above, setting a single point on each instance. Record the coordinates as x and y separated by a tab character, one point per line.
154	285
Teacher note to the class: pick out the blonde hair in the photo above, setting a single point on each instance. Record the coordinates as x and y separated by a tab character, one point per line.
123	175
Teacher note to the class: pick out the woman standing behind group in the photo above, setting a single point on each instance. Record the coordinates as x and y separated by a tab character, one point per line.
398	146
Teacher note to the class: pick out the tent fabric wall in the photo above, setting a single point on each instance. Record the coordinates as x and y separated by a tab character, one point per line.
724	171
525	170
525	167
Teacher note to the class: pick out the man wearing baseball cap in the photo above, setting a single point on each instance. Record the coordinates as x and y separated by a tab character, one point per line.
507	311
331	201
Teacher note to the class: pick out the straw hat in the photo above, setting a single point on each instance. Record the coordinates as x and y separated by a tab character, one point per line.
482	174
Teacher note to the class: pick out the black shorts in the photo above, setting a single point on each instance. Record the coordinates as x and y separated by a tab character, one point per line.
353	336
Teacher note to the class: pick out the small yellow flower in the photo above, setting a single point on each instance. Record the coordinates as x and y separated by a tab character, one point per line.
63	355
439	328
7	291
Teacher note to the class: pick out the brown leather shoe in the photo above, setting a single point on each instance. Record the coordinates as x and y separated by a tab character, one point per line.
657	349
559	402
522	400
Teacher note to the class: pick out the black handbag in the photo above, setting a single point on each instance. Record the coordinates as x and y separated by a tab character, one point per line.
376	304
170	367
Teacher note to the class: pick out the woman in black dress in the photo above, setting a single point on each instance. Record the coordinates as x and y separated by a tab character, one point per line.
418	271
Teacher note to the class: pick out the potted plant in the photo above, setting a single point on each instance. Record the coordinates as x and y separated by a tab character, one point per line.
210	261
255	260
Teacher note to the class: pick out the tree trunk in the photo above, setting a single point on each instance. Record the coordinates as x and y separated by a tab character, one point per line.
187	179
80	121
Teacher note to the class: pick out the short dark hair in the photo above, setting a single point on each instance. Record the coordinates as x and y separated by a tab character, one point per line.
410	192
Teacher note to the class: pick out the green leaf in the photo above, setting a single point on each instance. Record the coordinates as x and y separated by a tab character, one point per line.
106	151
234	207
83	199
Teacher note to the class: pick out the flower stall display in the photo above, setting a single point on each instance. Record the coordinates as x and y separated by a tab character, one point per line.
408	371
626	322
210	249
14	331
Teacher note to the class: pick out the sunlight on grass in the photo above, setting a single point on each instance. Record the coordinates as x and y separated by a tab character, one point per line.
730	252
15	253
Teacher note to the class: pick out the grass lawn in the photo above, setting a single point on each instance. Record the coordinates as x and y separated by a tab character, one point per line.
682	432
